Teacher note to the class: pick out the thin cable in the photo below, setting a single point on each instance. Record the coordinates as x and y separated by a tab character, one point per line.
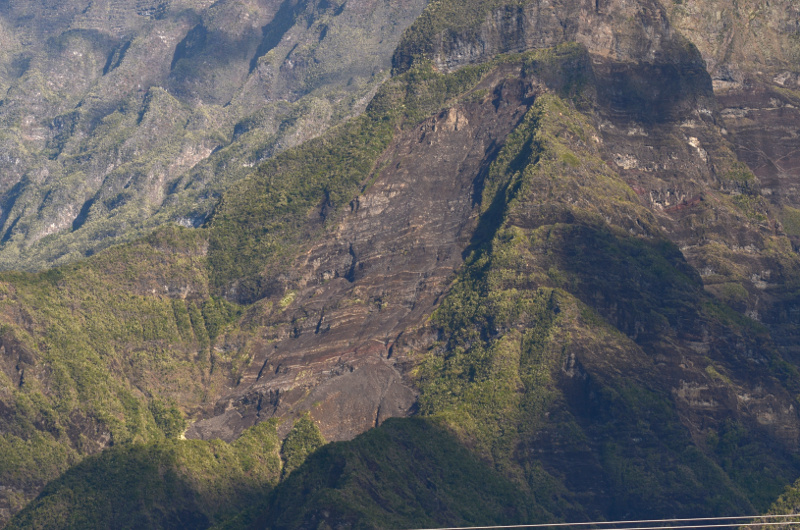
641	521
729	525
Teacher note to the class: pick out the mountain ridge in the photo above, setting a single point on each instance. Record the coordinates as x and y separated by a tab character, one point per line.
607	322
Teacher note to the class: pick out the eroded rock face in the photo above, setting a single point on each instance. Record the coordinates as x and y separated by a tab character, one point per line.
762	122
357	303
381	272
359	300
618	30
344	334
741	42
751	49
752	52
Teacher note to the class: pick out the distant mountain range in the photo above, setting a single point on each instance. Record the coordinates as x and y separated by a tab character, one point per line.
121	115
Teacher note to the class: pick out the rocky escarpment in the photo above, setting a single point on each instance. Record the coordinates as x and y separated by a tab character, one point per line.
542	242
354	302
120	116
383	266
752	52
674	177
638	32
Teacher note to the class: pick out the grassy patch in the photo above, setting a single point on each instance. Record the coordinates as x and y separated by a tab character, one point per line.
790	217
302	440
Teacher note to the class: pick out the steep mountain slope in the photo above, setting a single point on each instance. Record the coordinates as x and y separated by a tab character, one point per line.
92	358
119	116
418	475
652	165
752	51
88	368
174	485
663	138
539	236
167	484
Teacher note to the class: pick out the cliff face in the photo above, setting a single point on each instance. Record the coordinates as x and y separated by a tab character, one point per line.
543	236
119	116
751	50
356	297
629	204
621	31
651	177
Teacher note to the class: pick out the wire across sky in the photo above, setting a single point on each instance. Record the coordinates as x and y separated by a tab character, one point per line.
744	521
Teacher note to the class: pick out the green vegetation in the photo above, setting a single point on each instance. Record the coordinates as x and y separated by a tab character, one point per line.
551	348
790	218
754	207
107	356
740	453
166	484
740	174
788	503
131	332
416	474
168	419
302	440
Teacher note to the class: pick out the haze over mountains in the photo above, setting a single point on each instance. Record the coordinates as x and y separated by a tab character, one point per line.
112	110
549	267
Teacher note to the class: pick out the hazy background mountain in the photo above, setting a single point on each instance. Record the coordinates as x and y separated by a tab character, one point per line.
118	116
